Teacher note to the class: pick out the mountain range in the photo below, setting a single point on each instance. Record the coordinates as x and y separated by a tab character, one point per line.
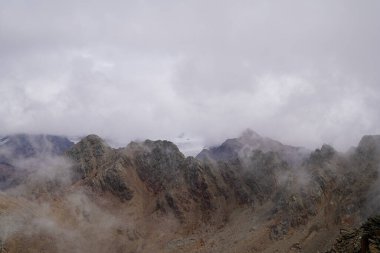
250	194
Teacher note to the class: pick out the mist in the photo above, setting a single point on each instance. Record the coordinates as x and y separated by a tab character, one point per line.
45	207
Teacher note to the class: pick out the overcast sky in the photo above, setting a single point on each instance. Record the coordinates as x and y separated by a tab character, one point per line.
303	72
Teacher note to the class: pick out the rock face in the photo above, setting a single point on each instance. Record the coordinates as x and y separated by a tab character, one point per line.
90	154
364	239
158	163
99	166
270	197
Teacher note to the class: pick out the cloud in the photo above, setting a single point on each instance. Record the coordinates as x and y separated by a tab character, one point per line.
304	73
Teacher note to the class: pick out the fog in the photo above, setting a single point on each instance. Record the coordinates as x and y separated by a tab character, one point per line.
305	73
42	206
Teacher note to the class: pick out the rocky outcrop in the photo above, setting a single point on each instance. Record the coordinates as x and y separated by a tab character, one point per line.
196	180
158	163
90	154
113	182
100	166
183	185
364	239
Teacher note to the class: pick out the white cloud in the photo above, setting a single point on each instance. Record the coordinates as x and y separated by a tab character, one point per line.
302	72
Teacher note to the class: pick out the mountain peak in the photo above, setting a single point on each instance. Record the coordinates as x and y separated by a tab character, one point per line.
249	134
93	138
93	142
250	141
370	140
90	152
370	144
159	145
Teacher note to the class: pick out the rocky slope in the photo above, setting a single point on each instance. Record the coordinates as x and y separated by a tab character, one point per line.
251	194
363	239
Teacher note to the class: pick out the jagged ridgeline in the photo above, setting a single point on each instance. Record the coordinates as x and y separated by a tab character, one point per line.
250	194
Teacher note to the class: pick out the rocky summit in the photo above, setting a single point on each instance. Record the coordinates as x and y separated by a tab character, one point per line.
250	194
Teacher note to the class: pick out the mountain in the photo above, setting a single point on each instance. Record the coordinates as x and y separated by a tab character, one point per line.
250	141
251	194
15	149
24	145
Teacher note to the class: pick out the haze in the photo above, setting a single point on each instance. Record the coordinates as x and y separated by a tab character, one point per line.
303	72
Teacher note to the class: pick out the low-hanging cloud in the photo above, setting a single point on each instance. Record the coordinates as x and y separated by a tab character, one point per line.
45	203
301	72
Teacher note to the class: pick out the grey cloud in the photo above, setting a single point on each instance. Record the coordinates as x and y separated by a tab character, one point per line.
302	72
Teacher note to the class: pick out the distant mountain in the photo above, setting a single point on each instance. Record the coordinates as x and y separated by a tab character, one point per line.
14	148
250	141
26	145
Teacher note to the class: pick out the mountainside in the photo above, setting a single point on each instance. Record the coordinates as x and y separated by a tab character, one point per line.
24	146
251	194
19	154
